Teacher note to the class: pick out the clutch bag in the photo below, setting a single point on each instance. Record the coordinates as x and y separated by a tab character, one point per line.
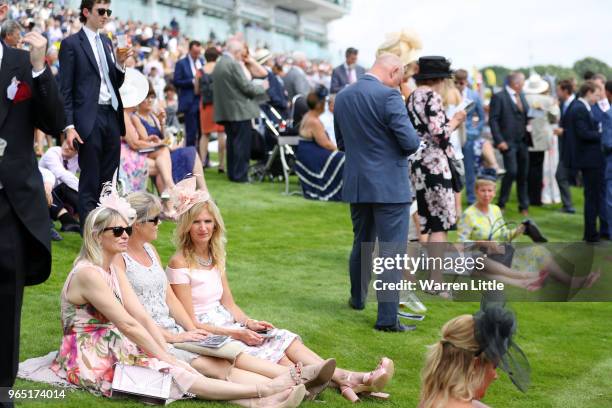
146	384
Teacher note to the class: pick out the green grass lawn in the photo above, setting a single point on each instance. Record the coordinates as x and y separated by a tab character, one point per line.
287	263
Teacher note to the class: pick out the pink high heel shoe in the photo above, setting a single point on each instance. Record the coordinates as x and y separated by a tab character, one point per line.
373	382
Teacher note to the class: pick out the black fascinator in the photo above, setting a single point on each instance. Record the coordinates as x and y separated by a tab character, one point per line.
495	327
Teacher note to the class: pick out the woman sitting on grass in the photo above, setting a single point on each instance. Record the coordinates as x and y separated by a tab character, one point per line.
483	224
101	322
141	266
197	275
463	363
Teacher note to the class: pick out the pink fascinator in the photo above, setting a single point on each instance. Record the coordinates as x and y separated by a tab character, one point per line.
110	198
184	195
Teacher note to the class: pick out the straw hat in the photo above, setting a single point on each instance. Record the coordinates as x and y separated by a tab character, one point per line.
406	44
262	55
134	89
535	84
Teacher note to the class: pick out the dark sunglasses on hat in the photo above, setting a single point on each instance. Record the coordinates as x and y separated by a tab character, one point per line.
118	231
101	12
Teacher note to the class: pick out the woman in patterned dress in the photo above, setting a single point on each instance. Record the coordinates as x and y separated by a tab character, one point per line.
196	273
102	324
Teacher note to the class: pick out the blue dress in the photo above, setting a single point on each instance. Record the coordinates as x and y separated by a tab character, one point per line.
182	158
319	170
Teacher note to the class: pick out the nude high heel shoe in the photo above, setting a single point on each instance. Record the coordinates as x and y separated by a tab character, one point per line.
316	377
293	399
373	382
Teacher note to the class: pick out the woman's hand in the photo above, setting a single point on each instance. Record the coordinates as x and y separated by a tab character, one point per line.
258	325
155	139
248	337
191	335
161	116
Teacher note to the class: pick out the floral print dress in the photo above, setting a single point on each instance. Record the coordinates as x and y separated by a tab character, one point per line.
92	345
430	171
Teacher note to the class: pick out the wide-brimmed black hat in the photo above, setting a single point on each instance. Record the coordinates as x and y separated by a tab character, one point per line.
434	67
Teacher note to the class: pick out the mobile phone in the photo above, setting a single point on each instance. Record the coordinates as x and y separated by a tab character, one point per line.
466	105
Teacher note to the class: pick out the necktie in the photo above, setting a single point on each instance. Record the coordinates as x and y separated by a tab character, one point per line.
104	64
66	164
519	103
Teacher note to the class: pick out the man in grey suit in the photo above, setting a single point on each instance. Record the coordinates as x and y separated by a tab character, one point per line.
233	99
295	81
347	73
373	128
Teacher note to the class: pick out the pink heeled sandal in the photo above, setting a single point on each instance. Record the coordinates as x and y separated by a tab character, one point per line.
373	382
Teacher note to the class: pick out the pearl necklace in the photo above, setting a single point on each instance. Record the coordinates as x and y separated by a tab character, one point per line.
206	263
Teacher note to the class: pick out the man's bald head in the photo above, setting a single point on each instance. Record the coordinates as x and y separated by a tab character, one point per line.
235	47
389	68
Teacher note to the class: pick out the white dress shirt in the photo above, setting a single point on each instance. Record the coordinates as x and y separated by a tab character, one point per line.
567	102
586	103
104	97
513	94
53	161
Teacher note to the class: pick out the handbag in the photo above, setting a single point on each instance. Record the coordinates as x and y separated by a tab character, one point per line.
455	176
146	384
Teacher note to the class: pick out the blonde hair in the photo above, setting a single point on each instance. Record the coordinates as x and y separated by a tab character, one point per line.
449	370
97	220
216	245
483	182
145	204
449	93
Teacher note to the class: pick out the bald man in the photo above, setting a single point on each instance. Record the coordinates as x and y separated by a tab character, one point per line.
373	129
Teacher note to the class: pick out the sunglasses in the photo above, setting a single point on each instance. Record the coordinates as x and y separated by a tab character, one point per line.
118	231
154	220
101	12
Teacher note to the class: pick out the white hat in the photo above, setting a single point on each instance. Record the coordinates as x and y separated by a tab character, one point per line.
406	44
134	89
262	55
535	84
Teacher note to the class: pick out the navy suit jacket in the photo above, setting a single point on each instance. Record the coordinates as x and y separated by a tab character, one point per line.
339	78
183	81
564	124
582	149
80	82
373	129
508	124
605	118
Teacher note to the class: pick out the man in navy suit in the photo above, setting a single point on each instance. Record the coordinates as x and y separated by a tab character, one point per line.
582	151
372	127
565	92
347	73
188	102
472	131
606	144
508	122
600	112
91	76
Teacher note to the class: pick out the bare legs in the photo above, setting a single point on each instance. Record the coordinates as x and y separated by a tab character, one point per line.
203	146
488	156
221	143
199	173
164	166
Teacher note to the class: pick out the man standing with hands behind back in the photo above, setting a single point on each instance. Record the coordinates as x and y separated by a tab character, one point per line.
28	98
373	129
91	75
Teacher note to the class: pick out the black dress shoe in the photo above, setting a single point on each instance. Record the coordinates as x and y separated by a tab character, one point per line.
70	228
568	210
533	232
398	327
354	306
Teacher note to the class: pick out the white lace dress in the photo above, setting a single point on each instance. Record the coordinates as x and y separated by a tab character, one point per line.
150	284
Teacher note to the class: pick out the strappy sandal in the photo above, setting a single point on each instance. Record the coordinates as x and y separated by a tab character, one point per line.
316	377
373	382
